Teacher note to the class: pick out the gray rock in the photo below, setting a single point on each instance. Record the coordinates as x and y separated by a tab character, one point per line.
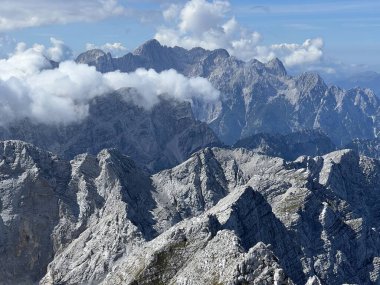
259	98
367	147
222	217
291	146
158	138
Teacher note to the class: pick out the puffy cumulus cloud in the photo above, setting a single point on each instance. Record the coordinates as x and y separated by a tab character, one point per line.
198	16
26	13
31	88
210	25
59	51
293	54
116	49
150	84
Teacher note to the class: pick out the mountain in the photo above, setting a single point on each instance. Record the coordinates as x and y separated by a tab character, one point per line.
367	79
155	138
221	217
291	146
150	55
257	97
369	147
92	206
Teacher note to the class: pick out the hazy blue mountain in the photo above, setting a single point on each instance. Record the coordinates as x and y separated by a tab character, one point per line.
367	79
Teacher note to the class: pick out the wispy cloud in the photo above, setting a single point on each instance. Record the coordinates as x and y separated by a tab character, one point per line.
303	26
25	13
324	7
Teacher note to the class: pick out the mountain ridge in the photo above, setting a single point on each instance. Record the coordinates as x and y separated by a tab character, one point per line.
257	97
111	223
157	138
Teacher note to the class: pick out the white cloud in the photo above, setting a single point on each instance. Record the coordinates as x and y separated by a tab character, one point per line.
171	12
30	88
151	84
59	51
293	54
116	49
210	25
7	45
198	16
26	13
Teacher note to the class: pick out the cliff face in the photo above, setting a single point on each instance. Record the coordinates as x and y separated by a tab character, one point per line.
155	138
221	217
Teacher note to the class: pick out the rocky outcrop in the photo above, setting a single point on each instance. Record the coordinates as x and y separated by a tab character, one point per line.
79	216
204	250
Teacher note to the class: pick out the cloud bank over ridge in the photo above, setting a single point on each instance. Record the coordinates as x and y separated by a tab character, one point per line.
31	88
210	25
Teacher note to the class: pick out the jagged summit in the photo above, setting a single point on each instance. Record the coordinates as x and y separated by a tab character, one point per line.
260	97
310	79
276	66
90	56
148	47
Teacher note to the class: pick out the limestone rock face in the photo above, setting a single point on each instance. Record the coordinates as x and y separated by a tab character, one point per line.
80	216
156	138
34	203
224	216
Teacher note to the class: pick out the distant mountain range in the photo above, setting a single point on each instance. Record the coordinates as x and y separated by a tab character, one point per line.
256	97
368	79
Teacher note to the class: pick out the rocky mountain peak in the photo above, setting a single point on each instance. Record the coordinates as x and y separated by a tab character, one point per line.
90	56
309	80
149	47
276	67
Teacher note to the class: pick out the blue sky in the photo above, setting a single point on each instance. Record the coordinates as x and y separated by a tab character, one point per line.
349	30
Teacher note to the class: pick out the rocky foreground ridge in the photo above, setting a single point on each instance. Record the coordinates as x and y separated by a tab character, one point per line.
224	216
